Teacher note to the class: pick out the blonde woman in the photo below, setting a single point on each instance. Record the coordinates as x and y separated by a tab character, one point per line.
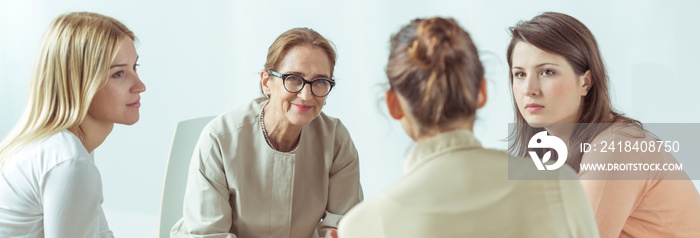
84	82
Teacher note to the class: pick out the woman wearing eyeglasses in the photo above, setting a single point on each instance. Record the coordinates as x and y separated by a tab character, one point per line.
277	167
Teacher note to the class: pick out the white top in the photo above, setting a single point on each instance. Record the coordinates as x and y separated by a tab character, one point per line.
453	187
240	187
52	188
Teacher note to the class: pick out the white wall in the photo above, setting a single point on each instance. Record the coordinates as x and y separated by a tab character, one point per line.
202	58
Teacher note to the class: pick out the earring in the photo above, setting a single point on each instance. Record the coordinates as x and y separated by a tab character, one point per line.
267	95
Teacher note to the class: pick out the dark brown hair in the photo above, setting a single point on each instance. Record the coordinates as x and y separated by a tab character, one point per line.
435	66
564	35
297	37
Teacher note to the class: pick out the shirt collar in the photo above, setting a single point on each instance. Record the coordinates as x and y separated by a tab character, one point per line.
439	144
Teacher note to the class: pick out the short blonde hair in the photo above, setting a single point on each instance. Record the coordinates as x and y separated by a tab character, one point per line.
72	65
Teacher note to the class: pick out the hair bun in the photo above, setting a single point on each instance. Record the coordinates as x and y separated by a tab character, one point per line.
435	66
438	40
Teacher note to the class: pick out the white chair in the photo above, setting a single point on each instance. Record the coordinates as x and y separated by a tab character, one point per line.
184	140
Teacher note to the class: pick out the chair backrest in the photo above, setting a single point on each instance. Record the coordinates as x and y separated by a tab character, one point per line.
184	140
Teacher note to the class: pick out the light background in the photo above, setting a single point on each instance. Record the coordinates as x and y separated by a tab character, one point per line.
201	58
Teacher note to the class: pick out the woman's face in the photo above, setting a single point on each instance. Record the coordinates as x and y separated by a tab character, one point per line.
545	87
119	100
302	107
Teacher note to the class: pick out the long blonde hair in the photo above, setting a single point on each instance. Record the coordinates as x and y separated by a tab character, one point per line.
72	65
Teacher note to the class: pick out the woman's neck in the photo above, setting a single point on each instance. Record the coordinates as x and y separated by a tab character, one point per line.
562	131
92	132
280	132
467	124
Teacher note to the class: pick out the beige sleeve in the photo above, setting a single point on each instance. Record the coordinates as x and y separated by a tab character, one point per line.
207	212
364	220
580	218
344	189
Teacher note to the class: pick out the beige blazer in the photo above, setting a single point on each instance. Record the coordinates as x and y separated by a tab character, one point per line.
240	187
452	187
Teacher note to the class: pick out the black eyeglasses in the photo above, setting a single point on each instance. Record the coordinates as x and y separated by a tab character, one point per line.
293	83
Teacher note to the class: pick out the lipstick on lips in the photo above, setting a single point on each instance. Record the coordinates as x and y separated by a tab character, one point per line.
302	107
533	107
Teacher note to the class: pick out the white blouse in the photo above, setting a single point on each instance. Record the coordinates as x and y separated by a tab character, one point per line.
239	187
52	188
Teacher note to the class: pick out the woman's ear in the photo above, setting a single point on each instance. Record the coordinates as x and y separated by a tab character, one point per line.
264	79
482	97
586	83
392	102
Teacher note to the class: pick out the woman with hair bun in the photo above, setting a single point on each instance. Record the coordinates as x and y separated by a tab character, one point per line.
452	186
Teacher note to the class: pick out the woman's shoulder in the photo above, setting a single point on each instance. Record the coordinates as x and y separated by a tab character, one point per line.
44	155
366	218
234	120
63	144
624	142
626	151
329	126
623	132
